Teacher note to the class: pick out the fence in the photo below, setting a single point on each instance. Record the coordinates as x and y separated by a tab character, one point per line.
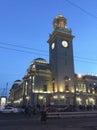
71	114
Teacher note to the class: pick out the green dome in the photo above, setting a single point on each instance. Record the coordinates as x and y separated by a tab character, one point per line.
39	60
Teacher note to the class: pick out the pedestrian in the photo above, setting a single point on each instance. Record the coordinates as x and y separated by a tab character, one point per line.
26	111
43	116
34	110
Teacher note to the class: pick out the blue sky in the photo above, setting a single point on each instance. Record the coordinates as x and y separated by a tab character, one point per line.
24	30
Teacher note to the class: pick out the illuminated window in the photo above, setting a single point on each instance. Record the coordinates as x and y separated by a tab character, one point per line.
81	87
33	66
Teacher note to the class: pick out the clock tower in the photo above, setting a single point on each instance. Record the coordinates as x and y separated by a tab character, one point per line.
61	60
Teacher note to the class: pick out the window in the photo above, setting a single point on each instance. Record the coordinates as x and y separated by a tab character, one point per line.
53	87
81	87
66	87
44	88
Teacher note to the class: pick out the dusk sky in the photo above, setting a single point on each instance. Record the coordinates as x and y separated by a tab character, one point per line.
25	26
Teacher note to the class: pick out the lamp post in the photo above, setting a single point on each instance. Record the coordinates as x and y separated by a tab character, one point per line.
32	92
53	85
25	90
67	79
67	89
75	104
53	89
30	88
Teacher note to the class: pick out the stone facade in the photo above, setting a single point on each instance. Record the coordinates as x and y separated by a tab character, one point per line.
55	83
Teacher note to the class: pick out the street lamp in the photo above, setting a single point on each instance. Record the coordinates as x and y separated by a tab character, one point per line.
30	88
53	90
53	85
79	76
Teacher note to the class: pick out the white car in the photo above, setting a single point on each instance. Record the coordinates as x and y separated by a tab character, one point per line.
9	110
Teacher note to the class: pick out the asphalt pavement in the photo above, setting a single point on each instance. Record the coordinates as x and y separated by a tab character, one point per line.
22	122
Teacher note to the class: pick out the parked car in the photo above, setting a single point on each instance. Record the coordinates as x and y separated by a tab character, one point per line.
1	108
70	108
9	110
52	109
60	108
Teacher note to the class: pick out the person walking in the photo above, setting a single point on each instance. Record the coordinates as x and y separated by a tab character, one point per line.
26	111
43	116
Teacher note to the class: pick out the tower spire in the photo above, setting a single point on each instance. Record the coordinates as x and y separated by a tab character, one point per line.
59	22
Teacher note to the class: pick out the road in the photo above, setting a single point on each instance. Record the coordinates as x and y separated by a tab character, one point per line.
20	122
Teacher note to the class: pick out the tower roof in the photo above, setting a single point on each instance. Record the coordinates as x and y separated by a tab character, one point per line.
59	22
60	16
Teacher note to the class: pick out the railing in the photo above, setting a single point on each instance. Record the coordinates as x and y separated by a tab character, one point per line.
71	114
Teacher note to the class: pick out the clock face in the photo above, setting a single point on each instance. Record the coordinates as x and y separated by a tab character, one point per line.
53	45
64	43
